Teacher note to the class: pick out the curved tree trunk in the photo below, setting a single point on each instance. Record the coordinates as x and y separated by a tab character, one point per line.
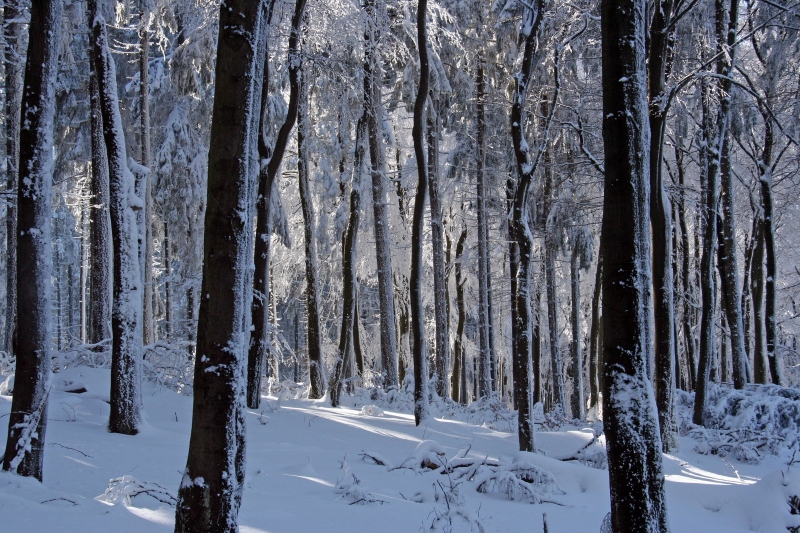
24	454
521	329
421	402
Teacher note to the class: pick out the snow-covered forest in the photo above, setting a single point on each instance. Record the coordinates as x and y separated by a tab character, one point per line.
392	265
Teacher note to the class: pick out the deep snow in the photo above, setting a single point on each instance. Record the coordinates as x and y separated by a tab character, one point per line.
303	458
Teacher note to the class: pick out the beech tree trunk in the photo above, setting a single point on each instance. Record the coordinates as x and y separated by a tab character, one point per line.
126	315
659	63
349	284
595	361
636	479
211	488
102	255
24	454
383	256
484	353
13	26
577	401
148	321
521	329
442	362
421	401
459	374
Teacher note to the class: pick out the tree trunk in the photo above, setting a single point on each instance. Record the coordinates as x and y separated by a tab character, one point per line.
633	441
595	362
707	273
760	363
168	314
24	454
148	322
484	353
383	256
211	488
437	244
688	311
421	402
349	257
13	15
126	317
577	403
459	384
521	329
659	62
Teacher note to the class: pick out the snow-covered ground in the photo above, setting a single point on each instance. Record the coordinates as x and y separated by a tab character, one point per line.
311	468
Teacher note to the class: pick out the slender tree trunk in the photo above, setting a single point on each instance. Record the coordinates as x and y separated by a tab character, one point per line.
459	386
774	357
636	480
13	25
349	257
421	402
707	273
577	401
521	329
84	274
442	362
383	256
24	454
760	364
211	488
168	314
126	317
686	258
484	350
595	362
664	312
148	321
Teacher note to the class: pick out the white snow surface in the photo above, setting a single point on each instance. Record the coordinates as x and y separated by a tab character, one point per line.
309	469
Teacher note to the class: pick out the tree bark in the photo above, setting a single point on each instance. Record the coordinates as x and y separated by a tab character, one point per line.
349	285
24	454
659	62
211	488
577	401
13	26
126	316
383	256
102	258
636	479
148	321
595	361
760	363
459	383
442	362
484	353
521	329
421	402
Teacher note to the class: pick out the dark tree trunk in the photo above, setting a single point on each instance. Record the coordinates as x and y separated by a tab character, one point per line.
686	258
707	273
382	230
24	454
349	285
421	402
13	25
168	314
760	364
636	480
577	403
595	362
148	321
658	64
211	488
126	316
521	329
442	362
484	349
459	384
102	258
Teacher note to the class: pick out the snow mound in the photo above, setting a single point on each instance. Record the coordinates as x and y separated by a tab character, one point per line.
372	410
521	480
124	489
428	455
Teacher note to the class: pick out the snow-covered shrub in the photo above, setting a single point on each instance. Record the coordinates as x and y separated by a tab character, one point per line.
520	481
351	490
372	410
124	489
286	389
7	363
428	455
744	424
169	364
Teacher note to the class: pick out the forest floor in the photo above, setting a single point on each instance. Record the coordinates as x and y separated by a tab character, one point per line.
306	473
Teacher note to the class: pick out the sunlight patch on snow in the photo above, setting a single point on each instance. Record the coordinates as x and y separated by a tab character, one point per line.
162	515
79	461
314	479
692	474
358	424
